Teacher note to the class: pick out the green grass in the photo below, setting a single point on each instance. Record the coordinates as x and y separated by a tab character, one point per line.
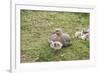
36	26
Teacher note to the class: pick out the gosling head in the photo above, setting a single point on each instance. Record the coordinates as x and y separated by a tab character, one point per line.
56	45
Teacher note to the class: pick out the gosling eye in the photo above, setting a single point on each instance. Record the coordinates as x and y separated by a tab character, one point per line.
55	44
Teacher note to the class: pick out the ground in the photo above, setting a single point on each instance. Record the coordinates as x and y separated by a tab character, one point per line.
36	27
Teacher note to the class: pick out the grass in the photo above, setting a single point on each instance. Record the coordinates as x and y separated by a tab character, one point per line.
36	26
